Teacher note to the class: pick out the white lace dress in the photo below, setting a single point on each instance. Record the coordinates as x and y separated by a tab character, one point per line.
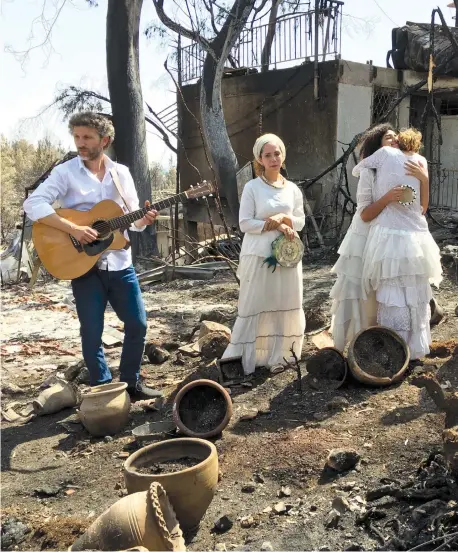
270	314
352	308
401	258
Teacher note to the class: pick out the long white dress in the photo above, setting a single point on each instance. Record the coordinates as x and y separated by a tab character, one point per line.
352	308
270	318
401	258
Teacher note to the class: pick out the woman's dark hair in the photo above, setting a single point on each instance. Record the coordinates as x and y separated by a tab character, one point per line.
372	140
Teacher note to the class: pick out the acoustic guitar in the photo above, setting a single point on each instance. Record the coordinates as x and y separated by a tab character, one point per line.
66	258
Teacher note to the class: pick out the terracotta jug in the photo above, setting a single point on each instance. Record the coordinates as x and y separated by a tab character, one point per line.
105	409
57	397
139	520
190	490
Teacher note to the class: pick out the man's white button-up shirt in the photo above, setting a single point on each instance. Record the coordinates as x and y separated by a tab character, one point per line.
73	186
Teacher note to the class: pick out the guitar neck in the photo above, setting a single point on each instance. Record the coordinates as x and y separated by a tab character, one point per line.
125	221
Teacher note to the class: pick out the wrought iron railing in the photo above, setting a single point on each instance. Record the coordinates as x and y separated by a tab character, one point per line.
444	188
294	41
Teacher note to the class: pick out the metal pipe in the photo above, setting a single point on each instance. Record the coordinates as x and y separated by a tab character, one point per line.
316	71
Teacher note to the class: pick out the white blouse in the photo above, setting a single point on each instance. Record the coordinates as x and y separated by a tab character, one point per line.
390	172
260	201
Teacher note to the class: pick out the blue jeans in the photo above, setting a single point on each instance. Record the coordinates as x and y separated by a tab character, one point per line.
121	289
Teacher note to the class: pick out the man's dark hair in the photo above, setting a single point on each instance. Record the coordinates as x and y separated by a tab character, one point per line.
372	140
99	122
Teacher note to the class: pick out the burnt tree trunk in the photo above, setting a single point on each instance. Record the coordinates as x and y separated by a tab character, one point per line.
122	43
267	49
217	140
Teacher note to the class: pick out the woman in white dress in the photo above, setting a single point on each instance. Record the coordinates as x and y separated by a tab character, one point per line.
353	311
400	258
270	318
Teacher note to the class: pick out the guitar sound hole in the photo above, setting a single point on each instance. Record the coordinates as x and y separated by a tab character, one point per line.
102	228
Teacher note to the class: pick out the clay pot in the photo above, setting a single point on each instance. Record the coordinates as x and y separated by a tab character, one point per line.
105	409
327	369
202	408
437	312
387	343
57	397
139	520
190	490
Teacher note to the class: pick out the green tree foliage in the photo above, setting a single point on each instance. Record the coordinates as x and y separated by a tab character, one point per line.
22	163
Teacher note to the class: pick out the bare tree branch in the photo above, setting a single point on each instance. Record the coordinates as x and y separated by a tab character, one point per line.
180	29
165	138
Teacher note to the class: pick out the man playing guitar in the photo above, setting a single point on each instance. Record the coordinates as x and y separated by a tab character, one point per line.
80	184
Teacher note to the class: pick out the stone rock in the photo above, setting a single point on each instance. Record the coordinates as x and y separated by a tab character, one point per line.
248	415
320	416
72	372
267	510
13	533
248	488
284	491
46	491
220	547
340	504
9	388
83	377
218	315
155	354
213	345
266	546
342	460
223	524
246	522
258	478
337	403
280	508
170	345
332	521
207	327
347	486
456	310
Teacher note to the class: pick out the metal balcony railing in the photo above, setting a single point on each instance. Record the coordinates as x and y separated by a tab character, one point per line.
294	41
444	188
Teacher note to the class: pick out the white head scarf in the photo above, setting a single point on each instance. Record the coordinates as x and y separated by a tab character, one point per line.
268	139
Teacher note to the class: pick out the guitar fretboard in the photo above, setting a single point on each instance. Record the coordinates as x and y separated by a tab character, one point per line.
126	220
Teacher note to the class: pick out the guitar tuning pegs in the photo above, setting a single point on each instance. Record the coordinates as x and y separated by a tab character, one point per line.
210	195
191	186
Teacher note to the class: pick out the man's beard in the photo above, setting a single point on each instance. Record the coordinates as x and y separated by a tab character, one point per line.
91	154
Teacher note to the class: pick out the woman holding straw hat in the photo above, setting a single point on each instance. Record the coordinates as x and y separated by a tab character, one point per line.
270	319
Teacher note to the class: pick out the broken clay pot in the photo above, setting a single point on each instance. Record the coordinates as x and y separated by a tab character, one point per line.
190	490
144	519
54	399
105	409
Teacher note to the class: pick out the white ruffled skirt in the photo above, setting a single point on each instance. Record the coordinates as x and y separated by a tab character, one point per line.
397	266
271	318
352	308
